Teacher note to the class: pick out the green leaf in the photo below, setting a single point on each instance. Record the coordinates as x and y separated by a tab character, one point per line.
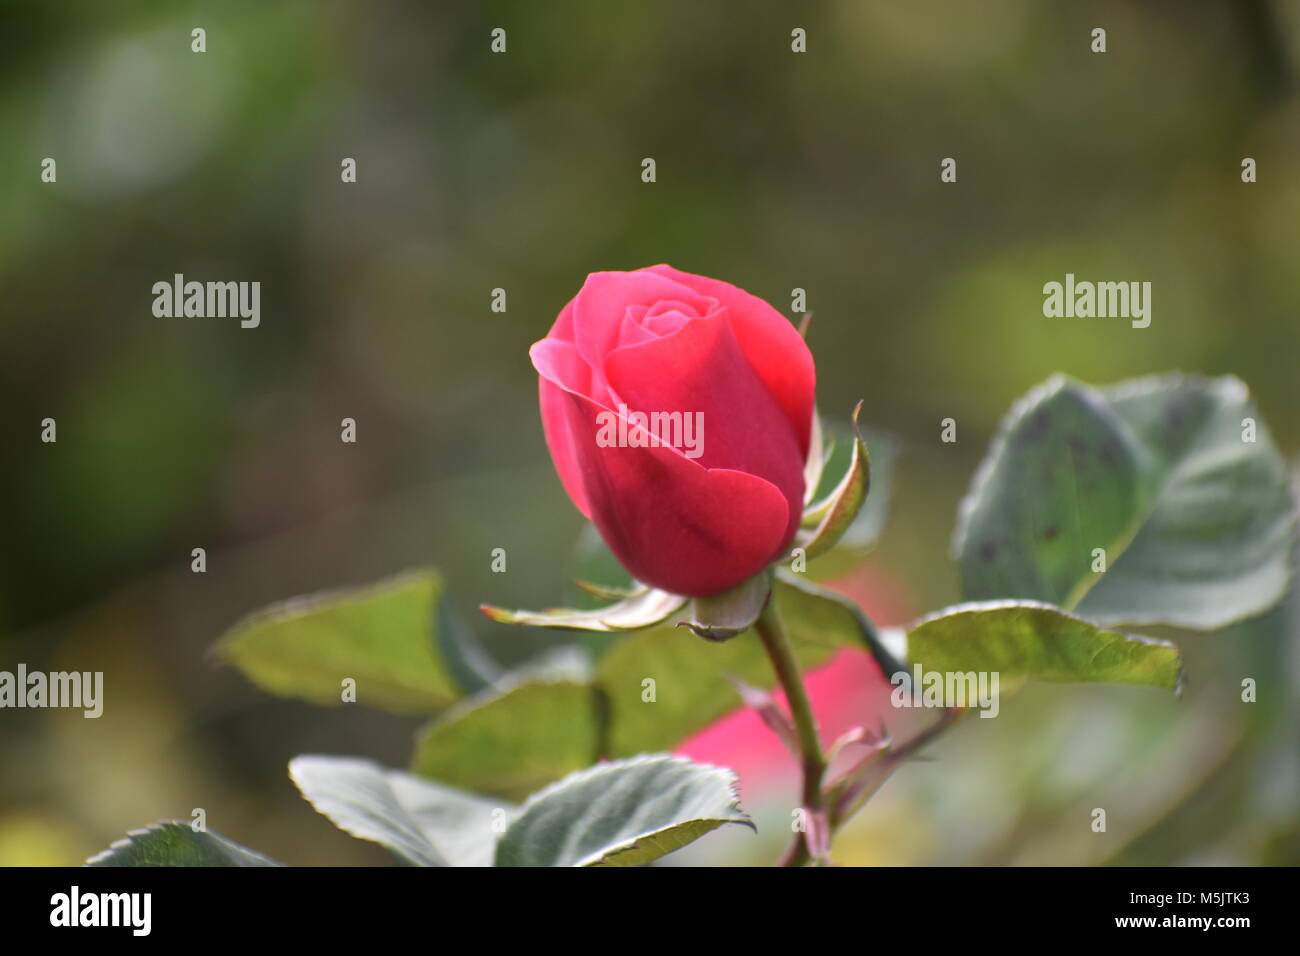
1195	523
423	823
471	667
663	685
1029	639
177	844
626	813
381	636
816	615
1215	544
1063	477
512	740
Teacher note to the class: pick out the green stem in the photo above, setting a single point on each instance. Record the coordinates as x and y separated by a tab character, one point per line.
772	633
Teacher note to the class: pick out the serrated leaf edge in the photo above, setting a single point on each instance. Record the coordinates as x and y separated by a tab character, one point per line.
726	775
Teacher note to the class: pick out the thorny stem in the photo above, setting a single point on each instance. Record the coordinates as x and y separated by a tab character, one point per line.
777	645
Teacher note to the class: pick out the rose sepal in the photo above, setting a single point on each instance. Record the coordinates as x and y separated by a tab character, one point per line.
641	609
825	521
724	615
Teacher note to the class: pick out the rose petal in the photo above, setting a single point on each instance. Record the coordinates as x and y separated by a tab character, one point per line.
701	371
599	307
673	524
559	368
666	323
630	330
772	344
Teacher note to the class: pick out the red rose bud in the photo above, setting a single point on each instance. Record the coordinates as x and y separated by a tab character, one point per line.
678	411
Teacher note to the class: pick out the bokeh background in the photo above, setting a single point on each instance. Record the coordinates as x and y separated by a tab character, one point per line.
522	171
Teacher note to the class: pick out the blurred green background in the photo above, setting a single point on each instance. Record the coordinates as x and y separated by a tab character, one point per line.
522	171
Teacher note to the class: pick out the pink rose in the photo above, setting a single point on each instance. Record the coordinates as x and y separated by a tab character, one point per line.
627	352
